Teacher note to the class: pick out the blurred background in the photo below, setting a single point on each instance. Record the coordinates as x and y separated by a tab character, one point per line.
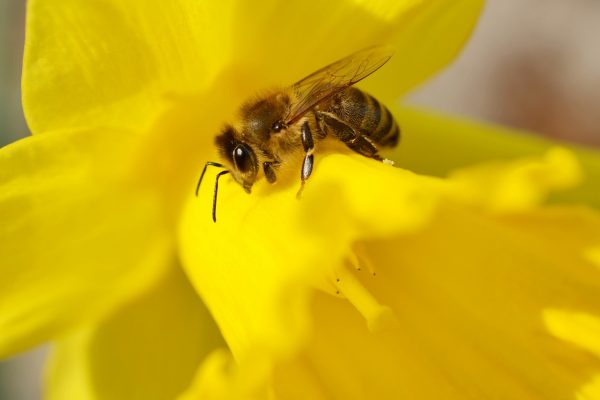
531	64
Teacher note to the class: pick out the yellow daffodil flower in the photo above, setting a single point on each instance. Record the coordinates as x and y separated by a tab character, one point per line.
445	277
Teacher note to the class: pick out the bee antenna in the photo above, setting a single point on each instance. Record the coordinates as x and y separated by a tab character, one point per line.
214	210
211	163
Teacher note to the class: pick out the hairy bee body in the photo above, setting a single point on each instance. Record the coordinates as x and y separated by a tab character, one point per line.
275	127
365	115
352	116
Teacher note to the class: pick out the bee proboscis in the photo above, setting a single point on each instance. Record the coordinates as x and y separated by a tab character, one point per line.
293	120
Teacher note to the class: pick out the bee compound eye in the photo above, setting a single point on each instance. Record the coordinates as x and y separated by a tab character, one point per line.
242	158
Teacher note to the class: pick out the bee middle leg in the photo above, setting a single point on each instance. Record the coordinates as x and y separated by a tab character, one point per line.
344	132
309	146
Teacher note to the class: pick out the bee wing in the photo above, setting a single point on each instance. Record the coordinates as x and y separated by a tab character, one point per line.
336	77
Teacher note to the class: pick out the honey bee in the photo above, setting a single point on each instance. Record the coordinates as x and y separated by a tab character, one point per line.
293	120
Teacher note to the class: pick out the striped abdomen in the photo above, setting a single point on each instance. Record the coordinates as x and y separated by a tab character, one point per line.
366	115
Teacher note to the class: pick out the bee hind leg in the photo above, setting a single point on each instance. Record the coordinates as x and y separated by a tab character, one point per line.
355	141
362	145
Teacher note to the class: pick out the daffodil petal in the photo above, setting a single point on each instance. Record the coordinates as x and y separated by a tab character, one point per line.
429	36
74	238
591	390
255	283
298	39
112	63
582	330
518	185
221	378
437	144
147	349
579	328
474	297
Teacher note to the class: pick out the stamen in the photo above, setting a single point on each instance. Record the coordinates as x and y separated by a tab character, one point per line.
359	258
330	285
378	316
354	261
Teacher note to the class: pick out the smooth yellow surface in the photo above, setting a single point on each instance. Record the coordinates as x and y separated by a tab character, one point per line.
436	144
148	349
379	282
76	236
519	185
255	230
111	63
116	63
467	281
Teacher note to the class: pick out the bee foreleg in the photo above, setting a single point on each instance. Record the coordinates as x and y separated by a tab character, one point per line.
309	146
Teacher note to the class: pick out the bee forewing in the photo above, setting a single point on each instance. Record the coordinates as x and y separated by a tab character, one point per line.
336	77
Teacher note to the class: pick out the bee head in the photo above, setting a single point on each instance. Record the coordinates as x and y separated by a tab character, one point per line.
239	155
